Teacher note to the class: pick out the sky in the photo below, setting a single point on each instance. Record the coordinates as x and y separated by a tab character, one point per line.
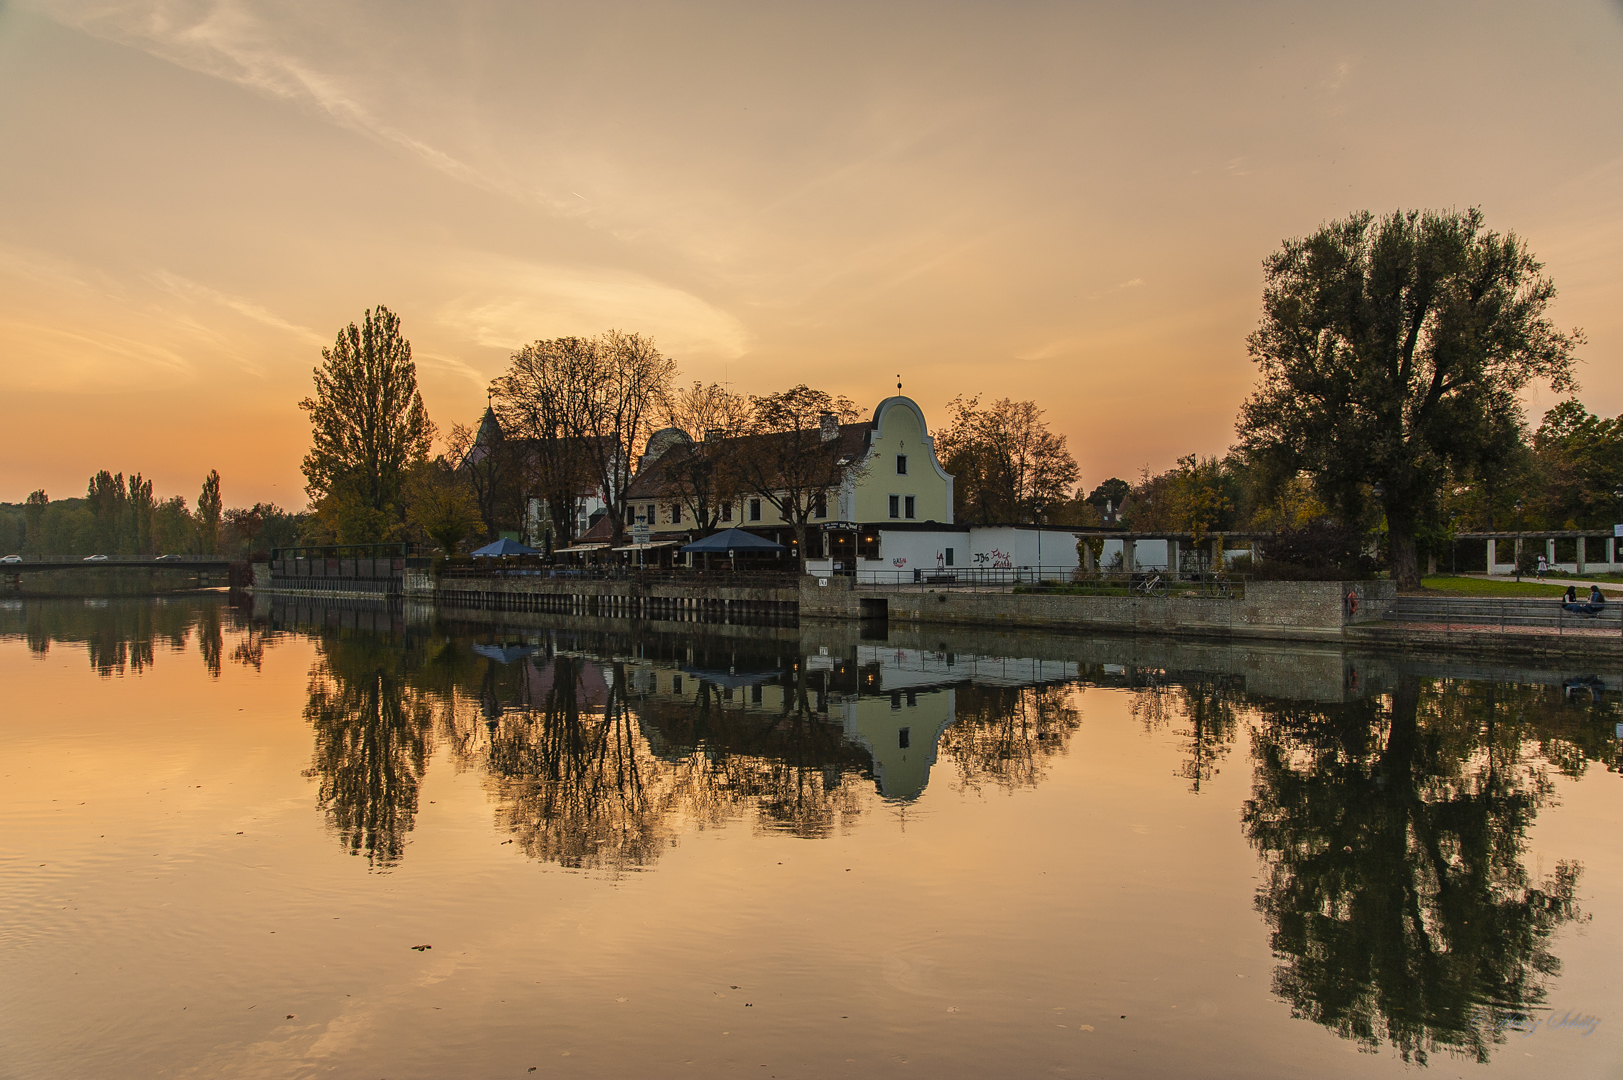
1068	203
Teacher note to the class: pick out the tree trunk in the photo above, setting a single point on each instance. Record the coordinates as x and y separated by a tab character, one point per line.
800	546
1404	560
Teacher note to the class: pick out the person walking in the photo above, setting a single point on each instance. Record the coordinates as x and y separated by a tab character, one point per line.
1542	566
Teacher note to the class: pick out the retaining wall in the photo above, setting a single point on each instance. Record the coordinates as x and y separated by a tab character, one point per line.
1270	609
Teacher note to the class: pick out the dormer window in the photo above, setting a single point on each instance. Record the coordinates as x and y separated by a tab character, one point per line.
901	464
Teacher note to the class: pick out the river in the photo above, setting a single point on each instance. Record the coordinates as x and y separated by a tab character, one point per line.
301	838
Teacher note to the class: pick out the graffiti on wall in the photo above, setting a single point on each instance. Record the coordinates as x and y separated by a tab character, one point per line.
997	560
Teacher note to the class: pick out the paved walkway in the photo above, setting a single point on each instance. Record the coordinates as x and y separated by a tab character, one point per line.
1496	628
1605	586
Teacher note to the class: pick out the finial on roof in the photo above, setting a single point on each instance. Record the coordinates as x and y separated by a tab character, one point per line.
898	384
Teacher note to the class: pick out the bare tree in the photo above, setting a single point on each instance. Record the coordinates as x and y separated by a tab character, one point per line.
589	404
1004	459
793	459
702	475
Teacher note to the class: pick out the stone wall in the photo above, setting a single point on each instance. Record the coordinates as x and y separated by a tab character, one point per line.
1270	609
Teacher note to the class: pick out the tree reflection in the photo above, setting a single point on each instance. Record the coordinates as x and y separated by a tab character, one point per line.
1393	834
371	745
1208	703
121	635
1006	735
574	782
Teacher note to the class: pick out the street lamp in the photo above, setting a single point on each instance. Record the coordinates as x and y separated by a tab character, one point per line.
1037	516
1518	548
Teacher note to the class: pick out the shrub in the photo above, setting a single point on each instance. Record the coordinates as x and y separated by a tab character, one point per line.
1320	551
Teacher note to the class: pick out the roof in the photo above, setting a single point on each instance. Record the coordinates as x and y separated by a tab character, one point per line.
733	540
656	481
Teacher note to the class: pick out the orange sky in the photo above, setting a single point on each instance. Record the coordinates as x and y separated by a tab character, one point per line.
1056	201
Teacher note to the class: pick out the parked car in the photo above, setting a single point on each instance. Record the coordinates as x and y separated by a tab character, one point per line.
12	559
94	558
167	558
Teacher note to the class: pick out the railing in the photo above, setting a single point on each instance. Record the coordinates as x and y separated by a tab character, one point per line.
520	569
1059	580
345	551
1474	615
37	561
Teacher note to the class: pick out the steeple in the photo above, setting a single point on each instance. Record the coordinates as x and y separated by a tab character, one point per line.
490	429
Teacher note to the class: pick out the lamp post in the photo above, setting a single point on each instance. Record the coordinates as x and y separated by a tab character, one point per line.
1037	516
1518	548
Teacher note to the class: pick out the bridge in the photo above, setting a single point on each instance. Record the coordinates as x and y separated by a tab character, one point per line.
47	576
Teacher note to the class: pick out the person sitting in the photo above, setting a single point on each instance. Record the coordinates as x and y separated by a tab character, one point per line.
1597	602
1570	602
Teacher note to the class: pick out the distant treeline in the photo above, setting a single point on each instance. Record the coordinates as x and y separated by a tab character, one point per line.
123	518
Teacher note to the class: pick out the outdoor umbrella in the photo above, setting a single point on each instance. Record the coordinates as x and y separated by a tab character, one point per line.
732	540
505	546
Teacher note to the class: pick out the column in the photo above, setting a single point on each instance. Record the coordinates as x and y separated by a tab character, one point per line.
1518	553
1129	556
1549	553
1172	558
1087	555
1581	555
1493	555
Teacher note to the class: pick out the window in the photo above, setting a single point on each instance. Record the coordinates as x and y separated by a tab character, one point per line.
676	513
868	546
820	505
755	509
904	738
895	506
901	464
726	511
909	503
949	556
653	514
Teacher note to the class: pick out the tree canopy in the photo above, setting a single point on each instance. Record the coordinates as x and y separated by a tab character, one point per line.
368	426
1004	460
1393	352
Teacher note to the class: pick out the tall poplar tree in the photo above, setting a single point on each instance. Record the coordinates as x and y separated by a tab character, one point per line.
368	427
209	506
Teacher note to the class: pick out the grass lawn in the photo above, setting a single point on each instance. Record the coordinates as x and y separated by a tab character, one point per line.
1473	586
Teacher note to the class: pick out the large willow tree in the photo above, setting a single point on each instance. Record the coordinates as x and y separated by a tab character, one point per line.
1393	353
368	427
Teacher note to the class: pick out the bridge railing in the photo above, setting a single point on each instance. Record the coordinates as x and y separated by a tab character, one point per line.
37	561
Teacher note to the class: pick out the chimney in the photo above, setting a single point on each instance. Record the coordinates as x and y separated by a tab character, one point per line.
830	427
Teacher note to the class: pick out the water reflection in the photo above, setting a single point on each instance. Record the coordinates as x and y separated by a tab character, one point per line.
371	744
1390	805
1393	833
119	635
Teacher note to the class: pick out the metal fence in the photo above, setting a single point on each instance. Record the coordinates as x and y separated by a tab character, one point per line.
1061	580
1535	616
525	570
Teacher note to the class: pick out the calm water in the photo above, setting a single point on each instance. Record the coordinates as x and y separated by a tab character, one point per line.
358	841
